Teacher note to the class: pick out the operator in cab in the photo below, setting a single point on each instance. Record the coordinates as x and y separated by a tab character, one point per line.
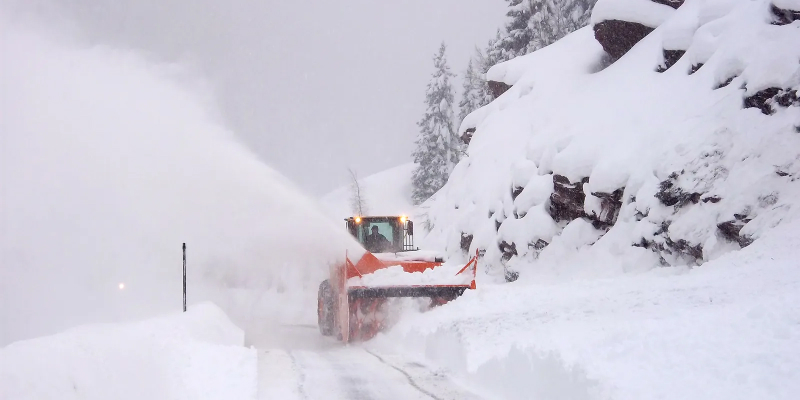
377	243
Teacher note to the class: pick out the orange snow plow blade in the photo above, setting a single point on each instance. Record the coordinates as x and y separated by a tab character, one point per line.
362	303
369	264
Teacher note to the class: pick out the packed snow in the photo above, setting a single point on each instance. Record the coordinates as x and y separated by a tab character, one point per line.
194	355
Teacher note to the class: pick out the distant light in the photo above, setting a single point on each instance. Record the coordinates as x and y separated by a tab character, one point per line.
121	286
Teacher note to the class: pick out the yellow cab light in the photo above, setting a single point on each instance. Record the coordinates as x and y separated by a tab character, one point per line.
358	220
403	218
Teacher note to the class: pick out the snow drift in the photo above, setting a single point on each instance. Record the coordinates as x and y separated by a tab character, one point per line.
196	355
108	164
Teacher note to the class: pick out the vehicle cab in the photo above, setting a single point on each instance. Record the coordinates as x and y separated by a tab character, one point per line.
382	234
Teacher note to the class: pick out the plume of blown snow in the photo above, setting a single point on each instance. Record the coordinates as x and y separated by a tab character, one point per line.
108	163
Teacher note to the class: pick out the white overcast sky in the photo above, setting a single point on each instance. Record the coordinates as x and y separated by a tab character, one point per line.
313	87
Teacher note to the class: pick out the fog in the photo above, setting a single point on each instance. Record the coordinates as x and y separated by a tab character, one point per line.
313	87
108	162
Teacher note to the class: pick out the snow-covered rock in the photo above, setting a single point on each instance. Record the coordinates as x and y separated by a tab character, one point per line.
671	168
620	24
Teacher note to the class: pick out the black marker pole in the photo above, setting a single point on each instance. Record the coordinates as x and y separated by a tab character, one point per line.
184	277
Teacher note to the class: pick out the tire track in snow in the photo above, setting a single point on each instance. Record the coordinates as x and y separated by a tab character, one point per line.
296	363
335	375
278	376
410	379
301	381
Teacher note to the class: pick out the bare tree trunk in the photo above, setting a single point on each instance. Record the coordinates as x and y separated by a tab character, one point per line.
358	203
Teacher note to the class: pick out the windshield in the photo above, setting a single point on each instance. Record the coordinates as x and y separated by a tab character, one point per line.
377	236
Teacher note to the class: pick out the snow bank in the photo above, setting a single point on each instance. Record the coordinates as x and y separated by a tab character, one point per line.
108	164
196	355
728	330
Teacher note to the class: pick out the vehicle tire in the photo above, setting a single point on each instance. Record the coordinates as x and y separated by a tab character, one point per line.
325	308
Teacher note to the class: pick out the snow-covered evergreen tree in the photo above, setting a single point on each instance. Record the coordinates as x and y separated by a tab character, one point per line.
550	20
438	147
535	24
518	34
494	55
494	52
473	89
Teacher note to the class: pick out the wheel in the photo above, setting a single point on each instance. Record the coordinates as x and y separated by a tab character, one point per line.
325	308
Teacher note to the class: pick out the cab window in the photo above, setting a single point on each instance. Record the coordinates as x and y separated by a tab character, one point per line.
384	228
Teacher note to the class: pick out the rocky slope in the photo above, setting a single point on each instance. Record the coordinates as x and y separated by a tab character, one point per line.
667	133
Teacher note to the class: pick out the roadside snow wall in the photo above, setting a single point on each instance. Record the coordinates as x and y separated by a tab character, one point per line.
682	150
107	164
196	355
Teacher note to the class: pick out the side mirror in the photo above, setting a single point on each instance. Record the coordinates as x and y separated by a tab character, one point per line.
410	228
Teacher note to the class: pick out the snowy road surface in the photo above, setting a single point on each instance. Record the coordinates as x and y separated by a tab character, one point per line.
301	364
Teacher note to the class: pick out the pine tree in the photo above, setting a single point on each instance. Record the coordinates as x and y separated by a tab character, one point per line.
494	55
535	24
518	33
438	147
550	20
494	52
472	93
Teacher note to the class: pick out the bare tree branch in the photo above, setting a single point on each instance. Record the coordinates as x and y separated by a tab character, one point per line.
358	203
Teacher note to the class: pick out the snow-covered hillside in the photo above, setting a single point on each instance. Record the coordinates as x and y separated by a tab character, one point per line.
386	193
107	164
645	192
683	149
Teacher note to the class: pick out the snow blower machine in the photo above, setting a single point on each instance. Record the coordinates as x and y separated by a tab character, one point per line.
352	304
